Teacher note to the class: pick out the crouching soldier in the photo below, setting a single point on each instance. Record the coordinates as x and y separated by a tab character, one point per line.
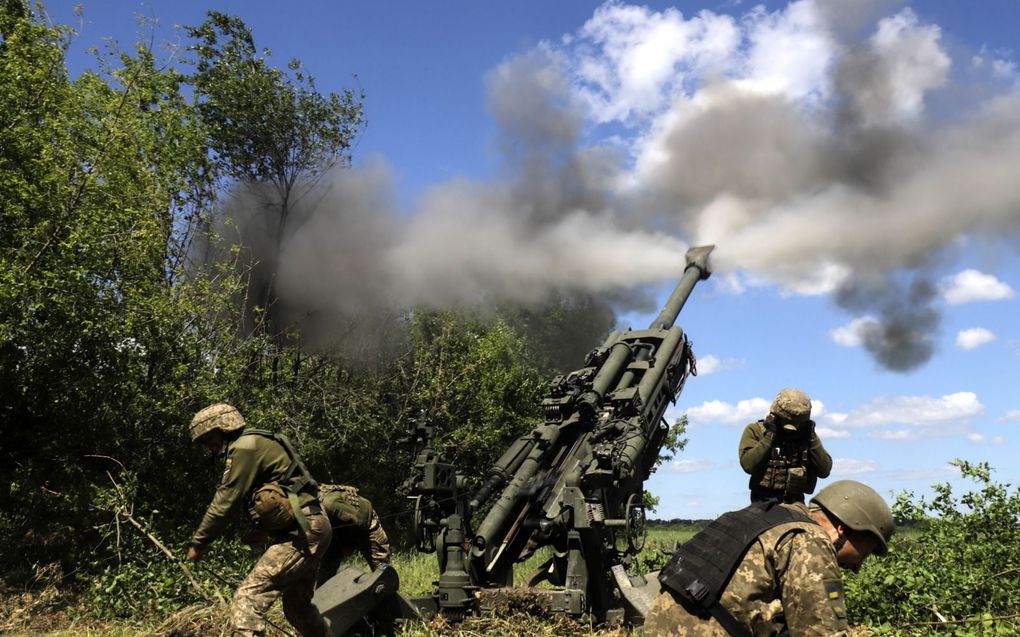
771	568
356	528
265	475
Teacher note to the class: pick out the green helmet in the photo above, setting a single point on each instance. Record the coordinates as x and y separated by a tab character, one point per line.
220	416
791	405
859	507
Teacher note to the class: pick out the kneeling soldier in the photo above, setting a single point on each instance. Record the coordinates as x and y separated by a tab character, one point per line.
772	568
265	475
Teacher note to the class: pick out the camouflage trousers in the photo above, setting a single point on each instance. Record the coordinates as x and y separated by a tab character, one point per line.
288	570
379	543
373	546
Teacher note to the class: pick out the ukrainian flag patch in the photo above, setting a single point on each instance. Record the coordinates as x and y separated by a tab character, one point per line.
833	590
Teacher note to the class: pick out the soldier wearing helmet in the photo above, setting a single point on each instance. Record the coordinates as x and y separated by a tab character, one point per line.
782	452
264	476
786	580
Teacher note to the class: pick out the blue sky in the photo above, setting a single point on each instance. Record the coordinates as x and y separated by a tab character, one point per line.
856	169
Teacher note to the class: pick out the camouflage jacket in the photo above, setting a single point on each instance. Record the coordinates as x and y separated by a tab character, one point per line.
768	458
252	460
788	579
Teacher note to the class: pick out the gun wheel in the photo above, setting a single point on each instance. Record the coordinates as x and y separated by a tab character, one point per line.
637	529
423	539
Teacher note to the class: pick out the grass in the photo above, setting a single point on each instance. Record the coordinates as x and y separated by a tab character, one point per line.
49	613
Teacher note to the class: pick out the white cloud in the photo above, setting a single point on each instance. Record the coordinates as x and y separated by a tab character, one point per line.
691	466
827	433
927	474
915	410
972	285
743	412
710	364
1001	67
846	467
630	60
974	337
852	334
914	60
976	438
790	52
1012	415
896	434
836	417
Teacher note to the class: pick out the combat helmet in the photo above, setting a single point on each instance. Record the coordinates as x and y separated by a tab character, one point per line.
791	405
859	507
220	416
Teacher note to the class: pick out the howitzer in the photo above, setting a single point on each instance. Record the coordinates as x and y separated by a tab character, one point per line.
574	483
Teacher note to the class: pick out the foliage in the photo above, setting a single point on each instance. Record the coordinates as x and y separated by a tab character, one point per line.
266	125
270	130
99	343
561	331
954	569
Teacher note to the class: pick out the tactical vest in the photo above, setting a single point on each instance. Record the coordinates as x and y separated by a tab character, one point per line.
296	480
702	567
785	474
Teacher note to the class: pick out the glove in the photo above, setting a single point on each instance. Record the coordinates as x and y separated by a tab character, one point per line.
805	430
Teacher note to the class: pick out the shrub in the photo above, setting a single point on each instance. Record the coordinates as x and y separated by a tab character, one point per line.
954	566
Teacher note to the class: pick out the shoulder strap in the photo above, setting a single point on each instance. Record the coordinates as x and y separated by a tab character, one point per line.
701	568
297	466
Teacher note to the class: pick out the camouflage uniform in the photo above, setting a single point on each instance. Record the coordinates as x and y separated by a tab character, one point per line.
356	527
783	465
788	579
289	566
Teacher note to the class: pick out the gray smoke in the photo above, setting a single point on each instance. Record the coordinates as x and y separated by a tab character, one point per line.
903	335
546	234
868	181
862	181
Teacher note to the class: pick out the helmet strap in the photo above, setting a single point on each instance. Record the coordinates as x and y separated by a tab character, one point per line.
839	541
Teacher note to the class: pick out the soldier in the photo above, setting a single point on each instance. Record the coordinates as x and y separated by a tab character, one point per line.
264	475
356	527
782	452
788	576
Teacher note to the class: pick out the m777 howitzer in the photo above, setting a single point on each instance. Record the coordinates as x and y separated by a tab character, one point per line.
574	483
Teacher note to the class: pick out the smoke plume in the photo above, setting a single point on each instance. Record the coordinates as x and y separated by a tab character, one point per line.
817	148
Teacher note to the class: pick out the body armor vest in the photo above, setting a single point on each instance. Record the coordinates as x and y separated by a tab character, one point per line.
785	474
702	567
275	506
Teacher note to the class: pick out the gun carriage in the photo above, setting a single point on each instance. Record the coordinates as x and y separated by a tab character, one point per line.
574	483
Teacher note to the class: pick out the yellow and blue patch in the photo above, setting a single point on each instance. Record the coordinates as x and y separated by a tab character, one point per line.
834	593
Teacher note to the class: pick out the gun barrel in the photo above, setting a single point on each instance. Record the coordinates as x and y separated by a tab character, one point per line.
697	270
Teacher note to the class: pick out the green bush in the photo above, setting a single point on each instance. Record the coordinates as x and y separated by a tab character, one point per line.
953	568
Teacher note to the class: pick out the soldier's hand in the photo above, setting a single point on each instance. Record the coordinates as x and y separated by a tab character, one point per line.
805	430
194	553
770	426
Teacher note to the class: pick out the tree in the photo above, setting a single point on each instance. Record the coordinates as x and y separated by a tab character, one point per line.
101	351
270	130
